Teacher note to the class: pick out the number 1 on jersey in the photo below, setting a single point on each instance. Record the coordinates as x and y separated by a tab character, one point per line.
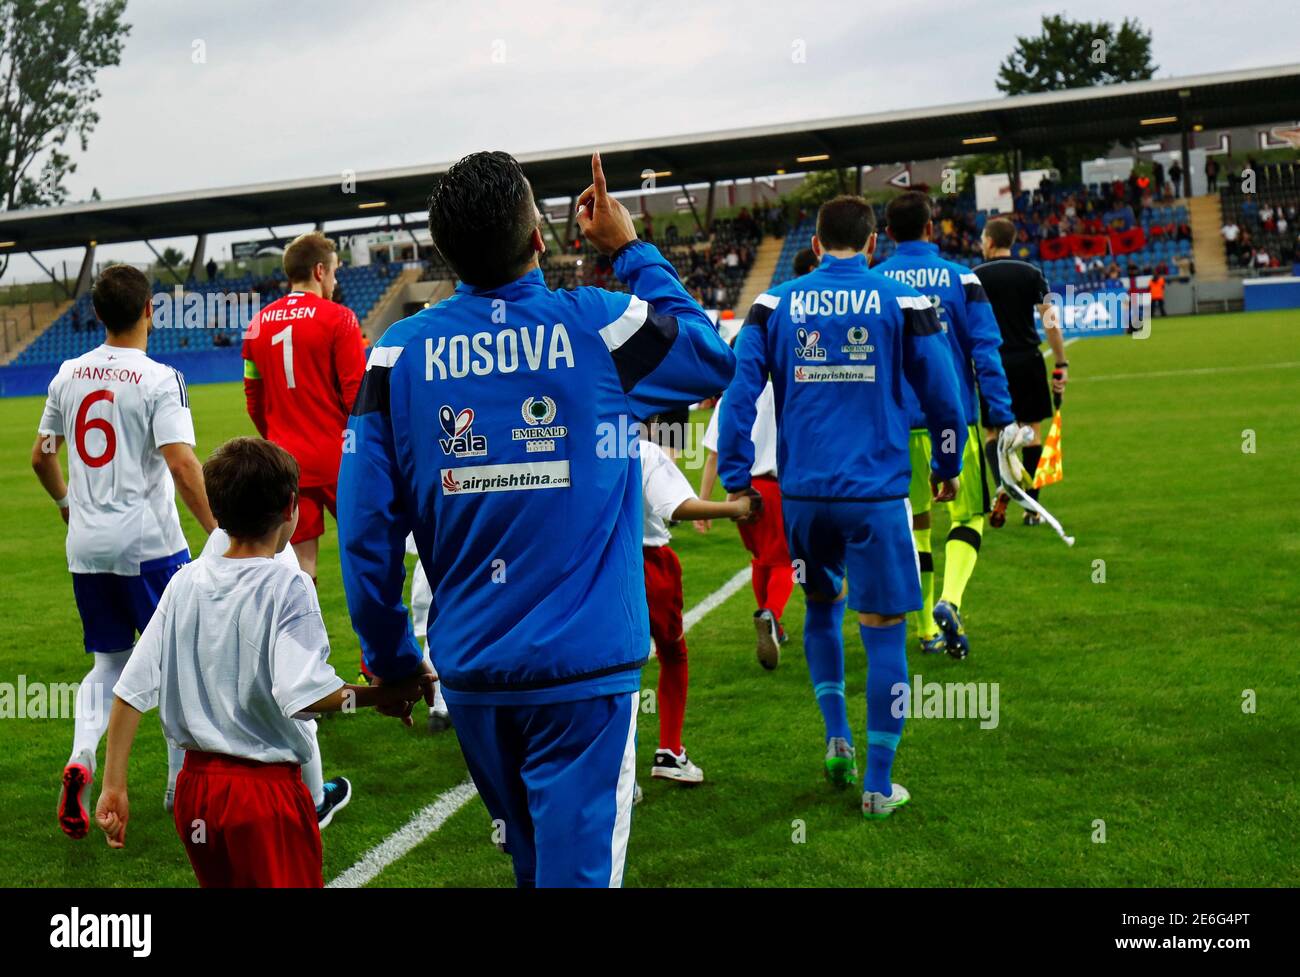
285	336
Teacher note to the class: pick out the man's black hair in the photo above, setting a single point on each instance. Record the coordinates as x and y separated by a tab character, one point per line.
845	223
120	296
907	215
805	261
481	216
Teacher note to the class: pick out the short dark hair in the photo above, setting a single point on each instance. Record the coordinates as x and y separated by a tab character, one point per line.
805	261
845	222
907	215
1000	232
121	295
481	216
250	482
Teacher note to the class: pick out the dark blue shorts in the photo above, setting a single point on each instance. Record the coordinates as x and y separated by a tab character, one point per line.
871	541
115	608
559	777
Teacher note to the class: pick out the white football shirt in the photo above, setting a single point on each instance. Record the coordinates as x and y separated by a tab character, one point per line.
663	489
219	541
235	650
763	433
116	408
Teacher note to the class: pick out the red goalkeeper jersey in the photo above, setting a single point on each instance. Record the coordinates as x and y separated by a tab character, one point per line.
303	362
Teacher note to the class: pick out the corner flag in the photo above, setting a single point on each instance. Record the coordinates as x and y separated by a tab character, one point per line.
1049	468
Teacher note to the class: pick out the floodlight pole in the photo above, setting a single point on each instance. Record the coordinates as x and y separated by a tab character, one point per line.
53	277
568	223
87	271
550	226
163	261
694	213
410	232
200	252
1184	112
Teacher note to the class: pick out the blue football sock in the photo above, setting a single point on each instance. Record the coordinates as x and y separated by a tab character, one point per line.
886	667
823	645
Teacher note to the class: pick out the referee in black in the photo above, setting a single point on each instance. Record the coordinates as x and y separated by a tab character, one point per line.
1015	288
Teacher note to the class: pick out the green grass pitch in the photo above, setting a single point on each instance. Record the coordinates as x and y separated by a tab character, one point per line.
1121	702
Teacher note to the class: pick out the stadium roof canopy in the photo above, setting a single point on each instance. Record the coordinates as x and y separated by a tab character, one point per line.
1135	109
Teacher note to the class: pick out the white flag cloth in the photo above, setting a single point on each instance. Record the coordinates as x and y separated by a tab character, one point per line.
1013	475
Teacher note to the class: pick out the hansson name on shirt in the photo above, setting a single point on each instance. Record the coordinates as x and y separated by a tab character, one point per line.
107	373
484	353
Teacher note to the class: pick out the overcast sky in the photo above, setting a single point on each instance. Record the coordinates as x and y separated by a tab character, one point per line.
295	89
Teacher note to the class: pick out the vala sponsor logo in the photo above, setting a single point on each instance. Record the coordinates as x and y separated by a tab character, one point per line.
505	478
461	441
540	434
834	374
806	347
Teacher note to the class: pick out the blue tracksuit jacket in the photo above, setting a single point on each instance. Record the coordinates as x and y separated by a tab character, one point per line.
842	345
967	319
500	427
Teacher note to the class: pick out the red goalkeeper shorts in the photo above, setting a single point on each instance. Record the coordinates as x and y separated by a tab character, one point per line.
312	503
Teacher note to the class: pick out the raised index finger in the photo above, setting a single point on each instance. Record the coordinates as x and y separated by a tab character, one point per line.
597	176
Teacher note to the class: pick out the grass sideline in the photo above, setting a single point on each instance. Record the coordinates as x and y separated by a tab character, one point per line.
1120	702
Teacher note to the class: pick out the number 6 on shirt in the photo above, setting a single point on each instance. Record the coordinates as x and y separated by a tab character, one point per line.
100	424
285	336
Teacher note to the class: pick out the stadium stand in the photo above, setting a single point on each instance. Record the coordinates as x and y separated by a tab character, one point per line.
1080	235
713	271
76	331
1267	221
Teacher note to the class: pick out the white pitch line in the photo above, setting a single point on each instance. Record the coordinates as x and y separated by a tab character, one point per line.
404	839
1203	371
429	819
692	617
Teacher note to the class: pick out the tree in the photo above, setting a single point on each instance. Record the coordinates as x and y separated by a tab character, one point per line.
982	163
820	186
173	263
1075	54
50	54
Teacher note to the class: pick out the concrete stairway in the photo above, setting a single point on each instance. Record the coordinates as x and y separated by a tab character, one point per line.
760	274
20	325
1206	217
381	316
